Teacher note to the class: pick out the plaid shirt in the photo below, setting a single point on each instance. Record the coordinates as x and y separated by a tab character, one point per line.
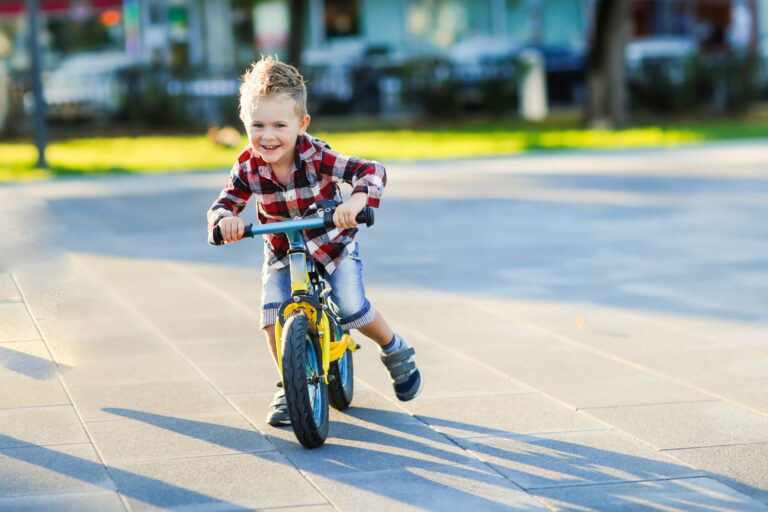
316	171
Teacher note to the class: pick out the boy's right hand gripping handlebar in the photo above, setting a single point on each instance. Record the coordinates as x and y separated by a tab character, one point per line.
364	217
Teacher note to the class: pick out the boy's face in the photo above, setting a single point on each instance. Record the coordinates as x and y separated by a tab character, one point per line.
273	127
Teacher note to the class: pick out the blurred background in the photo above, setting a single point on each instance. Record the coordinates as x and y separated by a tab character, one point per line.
145	66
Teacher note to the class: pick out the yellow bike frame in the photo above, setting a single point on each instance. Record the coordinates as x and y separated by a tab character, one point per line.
330	348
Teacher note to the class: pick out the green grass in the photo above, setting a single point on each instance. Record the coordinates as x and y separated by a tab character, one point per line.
157	154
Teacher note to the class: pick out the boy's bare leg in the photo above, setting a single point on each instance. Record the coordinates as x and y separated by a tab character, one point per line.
378	330
269	331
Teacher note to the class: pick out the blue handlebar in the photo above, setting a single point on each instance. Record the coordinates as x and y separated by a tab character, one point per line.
288	226
283	227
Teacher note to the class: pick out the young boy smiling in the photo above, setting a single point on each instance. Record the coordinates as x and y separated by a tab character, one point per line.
288	171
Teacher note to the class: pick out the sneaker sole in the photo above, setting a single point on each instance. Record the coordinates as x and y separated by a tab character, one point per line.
418	390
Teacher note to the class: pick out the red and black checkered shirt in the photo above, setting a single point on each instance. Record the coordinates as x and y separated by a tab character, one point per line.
316	171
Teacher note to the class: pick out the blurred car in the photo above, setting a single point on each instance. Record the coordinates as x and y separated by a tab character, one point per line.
667	54
86	86
483	59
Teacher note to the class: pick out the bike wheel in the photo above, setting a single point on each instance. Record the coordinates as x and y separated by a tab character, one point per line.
306	393
341	384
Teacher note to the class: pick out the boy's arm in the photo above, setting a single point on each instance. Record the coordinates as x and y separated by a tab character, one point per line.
231	201
366	176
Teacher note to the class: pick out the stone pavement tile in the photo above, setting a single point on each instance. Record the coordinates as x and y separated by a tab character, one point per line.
246	347
687	425
128	369
182	328
569	375
574	458
41	426
15	323
38	470
743	467
8	290
75	353
736	373
183	399
499	415
146	436
28	376
246	481
243	376
689	494
444	488
74	502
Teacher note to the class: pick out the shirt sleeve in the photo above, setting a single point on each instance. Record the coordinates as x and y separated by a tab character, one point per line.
367	176
231	201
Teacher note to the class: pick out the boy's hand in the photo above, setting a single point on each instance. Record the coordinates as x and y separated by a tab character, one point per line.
344	216
232	229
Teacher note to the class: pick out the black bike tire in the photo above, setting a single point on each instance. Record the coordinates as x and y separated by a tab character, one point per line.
340	393
295	336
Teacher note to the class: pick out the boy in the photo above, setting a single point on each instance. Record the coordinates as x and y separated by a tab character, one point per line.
288	171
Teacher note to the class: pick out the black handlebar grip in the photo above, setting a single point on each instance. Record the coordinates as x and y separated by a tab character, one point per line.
365	216
217	238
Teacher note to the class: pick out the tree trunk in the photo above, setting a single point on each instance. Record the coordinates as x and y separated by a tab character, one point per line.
606	105
296	36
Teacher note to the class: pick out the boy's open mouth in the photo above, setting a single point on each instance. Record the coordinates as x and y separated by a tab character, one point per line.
270	148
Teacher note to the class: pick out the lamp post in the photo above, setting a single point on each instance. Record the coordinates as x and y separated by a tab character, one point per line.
40	127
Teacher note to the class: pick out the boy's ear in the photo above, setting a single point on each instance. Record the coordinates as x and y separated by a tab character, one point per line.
304	124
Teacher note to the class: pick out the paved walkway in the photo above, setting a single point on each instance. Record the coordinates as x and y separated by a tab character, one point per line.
592	328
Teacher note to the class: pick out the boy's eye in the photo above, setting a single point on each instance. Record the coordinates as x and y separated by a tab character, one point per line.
257	125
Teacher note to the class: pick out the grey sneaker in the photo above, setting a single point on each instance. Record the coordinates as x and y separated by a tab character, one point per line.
277	416
406	378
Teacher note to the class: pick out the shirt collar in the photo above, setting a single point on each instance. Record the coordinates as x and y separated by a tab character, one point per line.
305	147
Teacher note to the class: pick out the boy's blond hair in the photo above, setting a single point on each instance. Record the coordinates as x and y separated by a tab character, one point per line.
271	78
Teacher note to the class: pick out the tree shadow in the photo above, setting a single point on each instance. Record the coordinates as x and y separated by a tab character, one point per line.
147	490
26	364
689	256
539	464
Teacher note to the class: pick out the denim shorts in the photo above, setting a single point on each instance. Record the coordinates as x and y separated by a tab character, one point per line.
347	292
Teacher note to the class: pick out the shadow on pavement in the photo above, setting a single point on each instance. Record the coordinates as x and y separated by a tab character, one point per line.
537	463
27	364
690	253
147	490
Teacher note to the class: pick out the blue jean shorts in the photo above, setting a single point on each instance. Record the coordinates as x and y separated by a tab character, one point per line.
347	292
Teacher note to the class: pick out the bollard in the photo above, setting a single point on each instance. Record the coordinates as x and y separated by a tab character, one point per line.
532	85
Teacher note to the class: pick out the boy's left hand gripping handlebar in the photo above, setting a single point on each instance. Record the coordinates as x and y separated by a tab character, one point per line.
365	216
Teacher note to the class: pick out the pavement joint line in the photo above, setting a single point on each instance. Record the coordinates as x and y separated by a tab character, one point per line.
10	301
651	404
704	447
513	435
39	445
123	461
131	307
624	482
26	407
58	494
23	341
476	396
67	392
629	363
